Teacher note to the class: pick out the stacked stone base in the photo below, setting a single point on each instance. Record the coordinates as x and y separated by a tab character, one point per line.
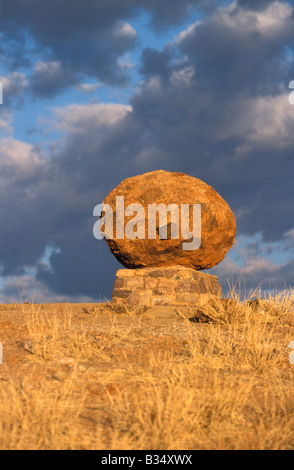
177	286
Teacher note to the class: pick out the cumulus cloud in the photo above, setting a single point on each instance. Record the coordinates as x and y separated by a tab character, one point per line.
87	37
77	119
17	159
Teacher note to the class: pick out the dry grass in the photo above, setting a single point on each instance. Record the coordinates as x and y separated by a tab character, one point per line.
227	384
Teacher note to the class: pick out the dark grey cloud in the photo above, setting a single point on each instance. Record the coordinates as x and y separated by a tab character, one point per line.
242	52
256	5
50	202
156	62
13	87
215	105
50	78
165	13
87	37
71	16
224	114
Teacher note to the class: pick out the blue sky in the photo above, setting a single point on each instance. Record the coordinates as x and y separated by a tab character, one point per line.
95	92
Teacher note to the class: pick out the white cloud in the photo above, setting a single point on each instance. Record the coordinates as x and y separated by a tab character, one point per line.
270	123
124	30
251	261
275	20
81	118
259	266
17	156
264	122
14	82
274	121
187	32
257	269
51	68
269	21
183	76
88	87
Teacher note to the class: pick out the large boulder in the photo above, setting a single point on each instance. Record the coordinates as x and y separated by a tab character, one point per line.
169	248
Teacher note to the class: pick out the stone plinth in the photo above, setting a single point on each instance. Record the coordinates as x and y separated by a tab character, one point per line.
175	285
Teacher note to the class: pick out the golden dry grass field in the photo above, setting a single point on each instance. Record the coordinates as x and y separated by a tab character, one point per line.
89	376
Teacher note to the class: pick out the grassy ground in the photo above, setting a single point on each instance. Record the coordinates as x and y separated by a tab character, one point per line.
92	377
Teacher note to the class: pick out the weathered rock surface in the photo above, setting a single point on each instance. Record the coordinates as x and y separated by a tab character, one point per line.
164	286
218	224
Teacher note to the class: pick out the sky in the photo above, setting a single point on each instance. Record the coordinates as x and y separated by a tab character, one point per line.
96	91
